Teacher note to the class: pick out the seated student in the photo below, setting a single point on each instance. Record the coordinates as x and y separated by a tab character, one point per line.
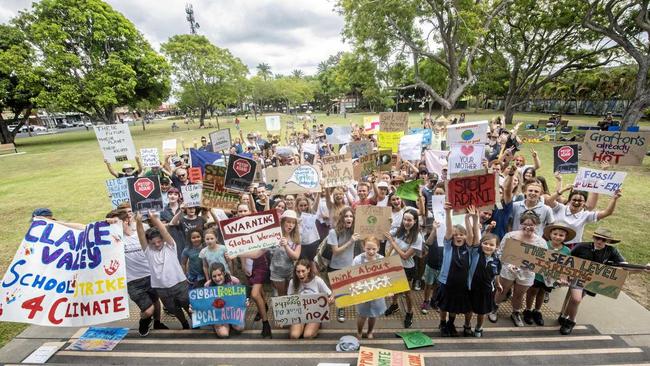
305	282
220	277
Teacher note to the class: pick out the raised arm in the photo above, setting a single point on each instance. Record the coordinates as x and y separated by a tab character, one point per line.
610	207
110	169
551	201
536	163
336	249
139	163
449	233
476	225
469	227
507	184
139	227
316	203
177	217
155	220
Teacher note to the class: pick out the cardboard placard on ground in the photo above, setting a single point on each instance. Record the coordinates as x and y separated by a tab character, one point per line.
192	194
389	140
415	339
260	230
393	121
240	173
218	305
410	147
293	179
145	194
595	277
272	123
565	159
118	191
380	357
220	140
372	220
465	158
338	174
115	142
99	339
169	147
598	181
478	188
338	134
300	309
360	148
368	281
149	157
615	147
468	133
214	193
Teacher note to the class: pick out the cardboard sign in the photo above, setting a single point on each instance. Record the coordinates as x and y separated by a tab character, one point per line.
385	160
66	277
240	173
615	147
465	158
599	181
118	191
478	189
435	160
115	142
338	134
366	165
390	140
360	148
194	175
468	133
149	157
293	179
371	124
192	194
595	277
99	339
220	140
368	281
272	123
218	305
393	121
565	159
372	220
300	309
337	174
169	147
145	194
214	193
380	357
260	230
426	133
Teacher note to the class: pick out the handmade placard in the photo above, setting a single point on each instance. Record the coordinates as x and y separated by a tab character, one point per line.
565	159
192	195
260	230
393	121
115	142
300	309
615	147
218	305
272	123
220	140
479	189
145	194
293	179
149	157
240	173
384	357
598	181
118	191
468	133
372	220
214	193
336	174
465	158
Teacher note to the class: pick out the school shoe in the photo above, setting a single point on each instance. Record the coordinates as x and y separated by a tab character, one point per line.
444	331
467	331
340	314
494	316
538	318
266	330
408	320
516	319
451	328
561	319
392	309
417	285
145	325
258	316
528	317
478	333
546	297
567	327
424	308
157	324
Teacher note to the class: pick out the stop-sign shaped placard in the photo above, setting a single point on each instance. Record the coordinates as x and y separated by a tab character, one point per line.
144	187
565	153
241	167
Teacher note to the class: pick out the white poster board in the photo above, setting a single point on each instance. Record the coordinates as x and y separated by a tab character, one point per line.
272	123
465	158
169	147
192	194
149	157
598	181
115	142
338	134
468	133
410	147
220	140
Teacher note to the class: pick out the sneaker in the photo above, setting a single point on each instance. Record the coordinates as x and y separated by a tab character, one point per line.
266	330
451	328
145	325
467	331
478	333
516	319
561	320
408	320
538	318
340	314
567	327
424	308
392	309
157	324
493	316
417	285
546	297
528	317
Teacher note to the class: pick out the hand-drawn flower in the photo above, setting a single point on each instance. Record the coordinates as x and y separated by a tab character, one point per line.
219	303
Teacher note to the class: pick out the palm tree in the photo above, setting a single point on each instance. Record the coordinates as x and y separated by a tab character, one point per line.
264	70
297	73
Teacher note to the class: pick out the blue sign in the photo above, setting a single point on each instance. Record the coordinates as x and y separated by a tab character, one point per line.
218	305
426	135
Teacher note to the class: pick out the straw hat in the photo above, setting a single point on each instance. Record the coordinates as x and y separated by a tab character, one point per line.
606	234
126	167
570	233
289	214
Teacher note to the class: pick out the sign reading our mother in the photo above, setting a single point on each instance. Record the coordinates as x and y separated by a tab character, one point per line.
66	277
218	305
260	230
615	147
478	189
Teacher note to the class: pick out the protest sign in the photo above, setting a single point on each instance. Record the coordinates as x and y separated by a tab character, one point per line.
336	174
192	195
118	191
465	158
385	160
478	189
149	157
598	181
240	173
439	215
309	152
218	305
366	165
99	339
67	277
368	281
220	140
565	159
438	141
615	147
214	193
360	148
371	124
410	147
272	123
300	309
43	353
145	194
293	179
435	161
393	121
194	175
260	230
379	357
389	140
169	147
595	277
372	220
415	339
115	142
426	133
468	133
338	134
409	190
308	229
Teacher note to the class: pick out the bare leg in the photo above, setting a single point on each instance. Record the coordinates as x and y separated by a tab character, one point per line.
258	296
531	295
295	330
360	322
311	330
574	302
371	327
500	296
479	321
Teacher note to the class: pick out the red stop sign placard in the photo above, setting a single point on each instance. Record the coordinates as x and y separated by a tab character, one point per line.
144	187
565	153
241	167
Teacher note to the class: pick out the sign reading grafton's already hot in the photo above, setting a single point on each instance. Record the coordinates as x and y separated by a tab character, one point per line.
252	232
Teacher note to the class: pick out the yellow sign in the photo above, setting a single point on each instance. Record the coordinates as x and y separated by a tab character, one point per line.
390	140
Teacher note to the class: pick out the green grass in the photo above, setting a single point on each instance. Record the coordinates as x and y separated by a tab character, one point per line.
66	173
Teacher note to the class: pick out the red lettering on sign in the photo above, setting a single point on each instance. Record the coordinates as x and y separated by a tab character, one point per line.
477	190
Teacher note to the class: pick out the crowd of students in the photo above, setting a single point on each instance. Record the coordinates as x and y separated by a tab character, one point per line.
182	248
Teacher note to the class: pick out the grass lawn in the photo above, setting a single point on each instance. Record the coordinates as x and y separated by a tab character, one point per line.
66	173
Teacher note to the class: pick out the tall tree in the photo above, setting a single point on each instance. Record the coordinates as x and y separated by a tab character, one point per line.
297	73
264	70
94	59
206	73
627	23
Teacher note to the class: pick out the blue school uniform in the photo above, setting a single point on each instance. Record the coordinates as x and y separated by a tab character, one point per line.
482	273
453	292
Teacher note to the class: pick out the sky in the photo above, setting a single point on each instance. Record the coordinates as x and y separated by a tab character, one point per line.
286	34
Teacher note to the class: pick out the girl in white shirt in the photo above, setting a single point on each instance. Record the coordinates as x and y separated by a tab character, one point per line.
305	282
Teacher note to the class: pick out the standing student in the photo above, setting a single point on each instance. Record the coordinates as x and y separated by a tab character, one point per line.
343	241
305	282
192	264
219	276
213	253
185	220
370	310
284	255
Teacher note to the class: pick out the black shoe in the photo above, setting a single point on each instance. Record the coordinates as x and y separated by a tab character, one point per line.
528	317
444	329
451	328
157	324
538	318
185	325
442	324
392	309
417	285
567	327
258	317
561	320
266	330
408	320
467	331
145	325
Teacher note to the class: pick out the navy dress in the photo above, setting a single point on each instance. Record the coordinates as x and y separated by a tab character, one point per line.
482	292
453	297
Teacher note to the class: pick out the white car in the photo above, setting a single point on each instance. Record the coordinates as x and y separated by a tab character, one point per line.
88	124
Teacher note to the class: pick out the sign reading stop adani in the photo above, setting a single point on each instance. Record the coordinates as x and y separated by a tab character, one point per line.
472	189
252	232
240	173
145	194
62	276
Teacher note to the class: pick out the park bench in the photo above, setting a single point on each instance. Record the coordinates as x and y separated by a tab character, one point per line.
7	148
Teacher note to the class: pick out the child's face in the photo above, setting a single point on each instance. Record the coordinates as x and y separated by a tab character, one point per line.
408	221
302	273
489	246
558	236
528	226
371	249
210	239
459	237
173	197
217	277
191	211
156	242
195	238
303	206
348	219
289	225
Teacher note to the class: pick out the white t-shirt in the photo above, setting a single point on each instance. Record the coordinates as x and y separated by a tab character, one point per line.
576	221
383	203
396	219
308	230
165	269
137	265
343	259
315	286
404	246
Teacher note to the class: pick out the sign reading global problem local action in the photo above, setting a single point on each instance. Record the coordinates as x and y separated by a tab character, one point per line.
615	147
368	281
66	277
218	305
478	189
260	230
595	277
300	309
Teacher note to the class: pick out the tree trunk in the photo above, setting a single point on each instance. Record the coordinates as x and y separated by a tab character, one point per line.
508	112
202	117
634	111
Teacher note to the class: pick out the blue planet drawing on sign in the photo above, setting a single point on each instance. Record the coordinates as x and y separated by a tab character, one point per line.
329	130
467	135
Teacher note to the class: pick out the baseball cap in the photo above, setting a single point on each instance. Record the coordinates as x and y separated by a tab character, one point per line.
382	184
43	211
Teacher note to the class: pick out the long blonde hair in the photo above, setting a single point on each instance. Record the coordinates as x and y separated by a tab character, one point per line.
295	234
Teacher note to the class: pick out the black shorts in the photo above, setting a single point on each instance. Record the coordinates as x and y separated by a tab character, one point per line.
309	251
410	273
542	285
176	297
141	293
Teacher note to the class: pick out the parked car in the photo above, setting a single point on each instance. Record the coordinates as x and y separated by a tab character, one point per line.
12	127
64	125
88	124
39	129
